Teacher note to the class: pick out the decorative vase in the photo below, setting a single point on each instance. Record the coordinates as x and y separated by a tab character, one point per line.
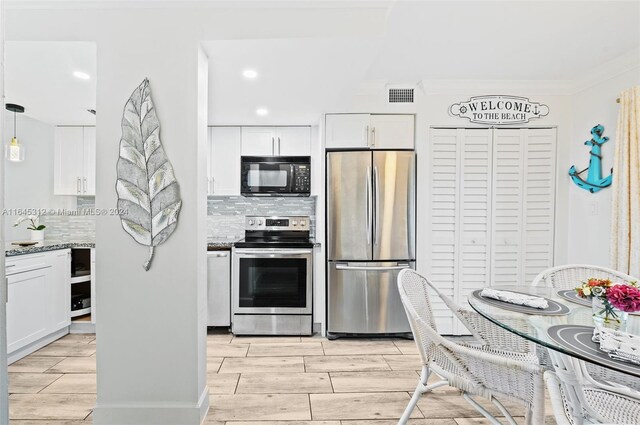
606	315
37	235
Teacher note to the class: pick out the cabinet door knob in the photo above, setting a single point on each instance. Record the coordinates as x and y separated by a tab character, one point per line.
373	134
84	185
78	185
366	135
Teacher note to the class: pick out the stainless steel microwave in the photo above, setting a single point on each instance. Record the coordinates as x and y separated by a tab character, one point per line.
275	176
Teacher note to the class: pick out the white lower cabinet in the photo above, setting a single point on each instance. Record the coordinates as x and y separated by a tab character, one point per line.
60	288
38	300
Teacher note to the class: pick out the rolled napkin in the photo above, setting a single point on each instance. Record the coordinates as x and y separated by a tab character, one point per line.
515	298
619	345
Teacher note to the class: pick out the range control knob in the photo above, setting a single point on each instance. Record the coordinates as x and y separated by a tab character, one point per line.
251	222
294	222
260	222
303	222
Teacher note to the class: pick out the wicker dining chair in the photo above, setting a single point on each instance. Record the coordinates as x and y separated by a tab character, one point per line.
605	407
570	276
477	370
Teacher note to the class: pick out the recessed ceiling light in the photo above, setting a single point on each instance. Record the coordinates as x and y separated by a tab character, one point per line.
262	111
81	75
250	74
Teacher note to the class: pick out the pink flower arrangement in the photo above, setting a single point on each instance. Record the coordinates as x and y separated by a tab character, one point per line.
624	297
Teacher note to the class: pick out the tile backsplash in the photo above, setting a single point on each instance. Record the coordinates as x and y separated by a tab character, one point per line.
71	228
226	216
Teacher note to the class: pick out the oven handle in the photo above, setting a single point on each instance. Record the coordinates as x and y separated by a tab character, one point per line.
276	252
372	268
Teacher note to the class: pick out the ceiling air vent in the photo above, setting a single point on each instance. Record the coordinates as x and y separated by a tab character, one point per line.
400	95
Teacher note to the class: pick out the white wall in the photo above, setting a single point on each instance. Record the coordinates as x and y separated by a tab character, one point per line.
29	184
589	228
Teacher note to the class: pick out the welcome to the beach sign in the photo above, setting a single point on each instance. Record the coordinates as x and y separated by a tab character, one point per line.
499	110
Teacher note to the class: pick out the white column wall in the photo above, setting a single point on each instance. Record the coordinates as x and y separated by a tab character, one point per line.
151	333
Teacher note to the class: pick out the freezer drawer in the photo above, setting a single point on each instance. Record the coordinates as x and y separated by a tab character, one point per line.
364	299
219	288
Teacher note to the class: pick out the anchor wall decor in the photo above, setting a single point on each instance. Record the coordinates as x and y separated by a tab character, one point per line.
594	181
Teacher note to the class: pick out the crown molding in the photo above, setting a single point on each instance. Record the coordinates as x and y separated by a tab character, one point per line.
464	87
608	70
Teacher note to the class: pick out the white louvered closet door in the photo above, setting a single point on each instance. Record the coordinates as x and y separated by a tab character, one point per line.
474	220
523	204
442	218
539	201
490	211
459	216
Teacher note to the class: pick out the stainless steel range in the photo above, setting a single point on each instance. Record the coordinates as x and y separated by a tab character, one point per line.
272	277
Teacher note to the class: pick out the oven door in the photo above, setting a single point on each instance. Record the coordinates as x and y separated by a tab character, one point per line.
266	178
272	281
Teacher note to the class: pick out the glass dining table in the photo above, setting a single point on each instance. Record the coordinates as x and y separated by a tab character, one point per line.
566	327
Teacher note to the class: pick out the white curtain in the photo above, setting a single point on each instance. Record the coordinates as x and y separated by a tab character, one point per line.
625	230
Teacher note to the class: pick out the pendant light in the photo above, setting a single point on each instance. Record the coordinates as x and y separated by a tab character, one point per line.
14	151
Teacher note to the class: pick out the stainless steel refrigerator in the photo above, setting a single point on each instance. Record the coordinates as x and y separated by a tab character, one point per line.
370	238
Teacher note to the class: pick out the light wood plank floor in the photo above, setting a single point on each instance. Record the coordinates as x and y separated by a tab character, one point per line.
256	380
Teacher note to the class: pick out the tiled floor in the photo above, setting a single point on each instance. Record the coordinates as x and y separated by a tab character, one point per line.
271	381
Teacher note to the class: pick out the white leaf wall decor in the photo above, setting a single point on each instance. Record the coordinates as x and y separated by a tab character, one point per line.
148	193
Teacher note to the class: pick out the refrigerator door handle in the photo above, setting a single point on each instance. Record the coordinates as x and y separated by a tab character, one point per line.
400	266
369	205
376	211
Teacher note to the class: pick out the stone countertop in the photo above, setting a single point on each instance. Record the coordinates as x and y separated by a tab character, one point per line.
13	250
220	244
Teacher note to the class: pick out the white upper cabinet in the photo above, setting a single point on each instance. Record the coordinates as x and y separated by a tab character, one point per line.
89	161
277	141
293	141
74	164
392	132
372	131
68	159
224	161
258	141
347	130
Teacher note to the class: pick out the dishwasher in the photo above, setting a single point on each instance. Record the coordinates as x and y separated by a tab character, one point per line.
219	288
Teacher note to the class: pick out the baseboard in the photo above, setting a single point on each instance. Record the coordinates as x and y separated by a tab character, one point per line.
82	328
160	413
36	345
